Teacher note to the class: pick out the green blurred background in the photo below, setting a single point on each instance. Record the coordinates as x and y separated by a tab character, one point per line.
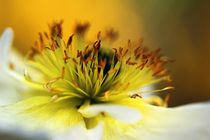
179	27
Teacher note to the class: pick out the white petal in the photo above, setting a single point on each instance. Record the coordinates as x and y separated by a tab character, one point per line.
81	133
119	112
5	44
8	93
7	55
191	122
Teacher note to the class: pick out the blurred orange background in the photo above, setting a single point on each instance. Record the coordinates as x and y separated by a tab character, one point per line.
180	28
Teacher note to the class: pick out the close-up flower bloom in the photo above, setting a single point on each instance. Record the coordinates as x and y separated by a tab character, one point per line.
81	89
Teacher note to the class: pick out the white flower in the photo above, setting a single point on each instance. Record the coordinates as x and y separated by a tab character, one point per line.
78	101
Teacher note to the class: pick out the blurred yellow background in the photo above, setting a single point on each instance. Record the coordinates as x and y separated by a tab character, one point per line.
179	27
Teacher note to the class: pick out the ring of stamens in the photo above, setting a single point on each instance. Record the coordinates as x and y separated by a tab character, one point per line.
93	71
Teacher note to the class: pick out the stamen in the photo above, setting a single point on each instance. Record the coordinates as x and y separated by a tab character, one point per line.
79	54
94	70
56	29
141	66
46	35
66	57
102	63
69	41
126	51
135	96
81	28
53	46
41	39
75	61
129	62
111	34
86	49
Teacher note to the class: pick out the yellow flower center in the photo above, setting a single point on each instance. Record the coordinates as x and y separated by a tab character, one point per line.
93	71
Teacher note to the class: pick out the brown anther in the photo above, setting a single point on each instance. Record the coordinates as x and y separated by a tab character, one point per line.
136	51
111	34
102	63
128	60
79	53
115	50
66	57
56	44
85	50
56	29
132	63
37	47
141	66
137	56
120	51
53	46
81	28
47	48
70	40
31	53
135	96
126	51
86	59
74	60
97	45
159	71
144	56
41	38
46	35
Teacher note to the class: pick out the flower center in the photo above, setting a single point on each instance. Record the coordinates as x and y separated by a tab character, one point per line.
93	71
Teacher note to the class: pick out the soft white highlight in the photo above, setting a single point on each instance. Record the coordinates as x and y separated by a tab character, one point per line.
121	113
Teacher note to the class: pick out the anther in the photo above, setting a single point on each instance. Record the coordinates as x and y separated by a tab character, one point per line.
66	57
70	40
74	60
46	35
135	96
